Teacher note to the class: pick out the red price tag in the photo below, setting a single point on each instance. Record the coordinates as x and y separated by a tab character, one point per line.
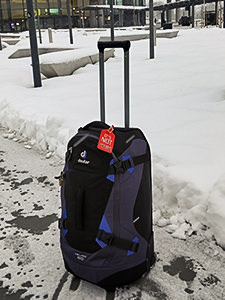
106	140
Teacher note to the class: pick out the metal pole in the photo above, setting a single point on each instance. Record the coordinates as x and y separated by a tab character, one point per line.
59	3
98	24
82	13
219	15
151	29
112	20
69	21
1	16
48	7
216	12
168	13
1	28
223	14
38	21
193	15
204	23
24	15
162	18
102	85
126	89
8	3
33	44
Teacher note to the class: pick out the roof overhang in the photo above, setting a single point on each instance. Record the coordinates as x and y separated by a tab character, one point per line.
118	7
167	6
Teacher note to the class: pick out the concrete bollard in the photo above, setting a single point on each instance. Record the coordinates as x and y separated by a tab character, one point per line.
154	35
50	38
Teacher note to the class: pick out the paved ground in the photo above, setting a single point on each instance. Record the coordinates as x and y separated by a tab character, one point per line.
31	266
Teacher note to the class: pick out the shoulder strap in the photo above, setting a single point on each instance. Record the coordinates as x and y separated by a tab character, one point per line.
121	166
112	240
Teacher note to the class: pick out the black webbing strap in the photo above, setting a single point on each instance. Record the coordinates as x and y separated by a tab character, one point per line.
121	166
111	240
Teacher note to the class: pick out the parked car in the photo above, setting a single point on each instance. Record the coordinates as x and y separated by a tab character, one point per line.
184	21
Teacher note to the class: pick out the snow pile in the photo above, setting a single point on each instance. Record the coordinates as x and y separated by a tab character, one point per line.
178	100
216	210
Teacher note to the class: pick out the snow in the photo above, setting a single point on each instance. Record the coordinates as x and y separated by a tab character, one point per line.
177	99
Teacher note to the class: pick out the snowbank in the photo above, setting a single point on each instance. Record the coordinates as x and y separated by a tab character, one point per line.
177	99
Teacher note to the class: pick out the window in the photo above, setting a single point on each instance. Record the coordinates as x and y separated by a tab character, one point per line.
115	2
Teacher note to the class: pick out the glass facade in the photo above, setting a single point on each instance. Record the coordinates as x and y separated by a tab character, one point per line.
131	2
53	13
115	2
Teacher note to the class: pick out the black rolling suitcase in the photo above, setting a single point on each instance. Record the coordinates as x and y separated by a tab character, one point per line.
106	223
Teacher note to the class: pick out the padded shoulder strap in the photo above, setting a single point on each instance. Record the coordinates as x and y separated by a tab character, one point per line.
121	166
112	240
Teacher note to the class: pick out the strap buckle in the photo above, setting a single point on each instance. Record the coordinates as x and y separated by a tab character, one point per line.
105	237
134	247
122	165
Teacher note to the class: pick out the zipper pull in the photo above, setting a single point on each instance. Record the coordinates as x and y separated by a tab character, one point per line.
60	178
70	150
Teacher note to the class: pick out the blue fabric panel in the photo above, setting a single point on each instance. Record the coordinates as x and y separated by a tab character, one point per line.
126	157
101	244
65	231
131	170
64	216
103	226
111	177
135	240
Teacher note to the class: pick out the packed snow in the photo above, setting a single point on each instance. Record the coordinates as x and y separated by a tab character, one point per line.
177	99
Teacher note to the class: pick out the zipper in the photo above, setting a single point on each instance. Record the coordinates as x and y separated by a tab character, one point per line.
116	206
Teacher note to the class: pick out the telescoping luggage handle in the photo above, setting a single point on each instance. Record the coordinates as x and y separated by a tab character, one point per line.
114	44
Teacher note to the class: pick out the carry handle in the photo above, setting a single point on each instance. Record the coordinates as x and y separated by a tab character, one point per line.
114	44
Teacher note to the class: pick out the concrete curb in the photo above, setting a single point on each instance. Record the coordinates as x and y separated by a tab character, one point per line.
67	68
19	53
142	36
10	41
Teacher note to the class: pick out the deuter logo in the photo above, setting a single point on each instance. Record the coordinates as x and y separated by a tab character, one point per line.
83	160
83	154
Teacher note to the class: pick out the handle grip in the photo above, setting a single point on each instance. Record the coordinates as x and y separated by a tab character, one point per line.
113	44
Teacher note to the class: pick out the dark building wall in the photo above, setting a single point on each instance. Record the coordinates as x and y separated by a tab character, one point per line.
128	2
